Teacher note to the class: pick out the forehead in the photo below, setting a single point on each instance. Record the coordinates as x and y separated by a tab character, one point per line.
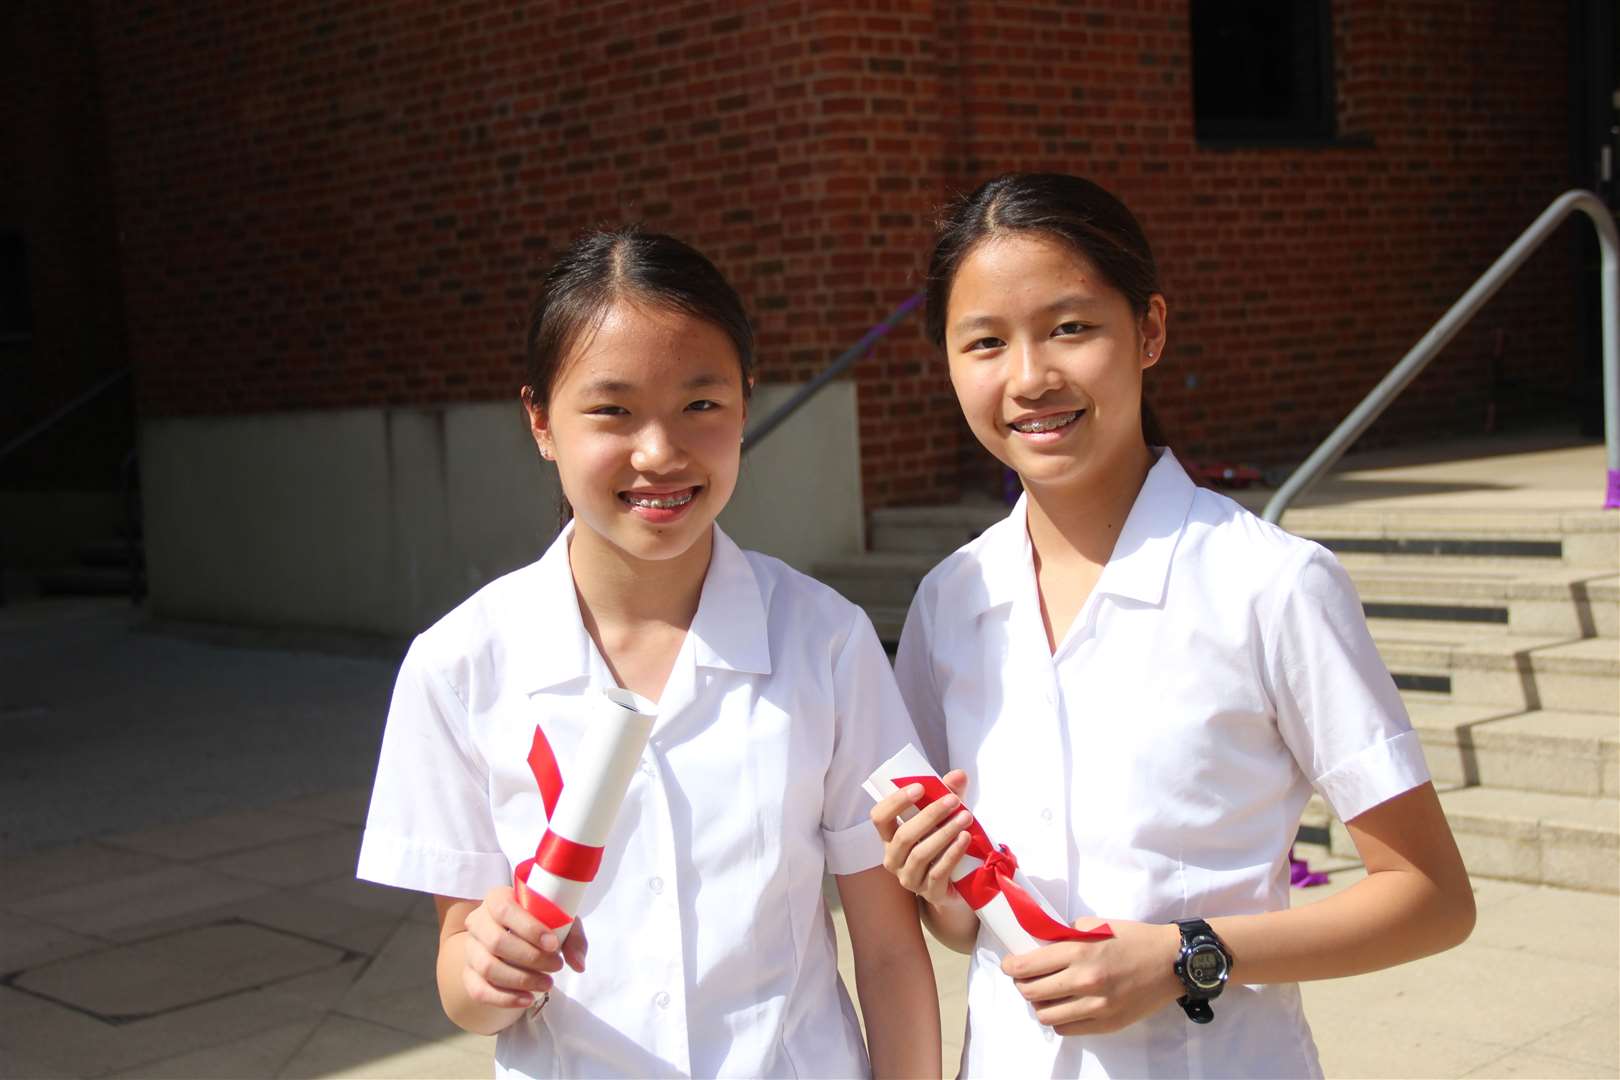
639	344
1010	272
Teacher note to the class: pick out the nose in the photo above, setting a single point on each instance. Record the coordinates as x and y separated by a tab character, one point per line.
656	449
1030	376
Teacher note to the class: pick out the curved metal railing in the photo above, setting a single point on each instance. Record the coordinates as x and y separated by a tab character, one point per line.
1363	415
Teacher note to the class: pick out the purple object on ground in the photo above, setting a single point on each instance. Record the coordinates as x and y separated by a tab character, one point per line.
1300	874
1611	501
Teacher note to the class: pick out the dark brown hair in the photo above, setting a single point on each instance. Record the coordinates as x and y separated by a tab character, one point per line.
603	266
1071	210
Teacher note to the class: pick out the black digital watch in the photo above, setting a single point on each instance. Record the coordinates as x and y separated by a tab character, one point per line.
1203	967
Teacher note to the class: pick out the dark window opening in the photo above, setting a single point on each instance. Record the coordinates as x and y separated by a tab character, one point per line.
16	312
1262	70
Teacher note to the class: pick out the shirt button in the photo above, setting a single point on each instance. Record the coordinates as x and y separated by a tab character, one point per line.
1046	815
656	884
647	768
661	999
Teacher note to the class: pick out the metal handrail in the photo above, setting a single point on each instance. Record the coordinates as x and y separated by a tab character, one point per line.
63	413
1373	405
844	361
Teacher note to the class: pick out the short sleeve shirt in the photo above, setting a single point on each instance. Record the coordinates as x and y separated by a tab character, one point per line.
711	950
1155	767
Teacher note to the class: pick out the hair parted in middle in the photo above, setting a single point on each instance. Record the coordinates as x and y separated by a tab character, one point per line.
627	263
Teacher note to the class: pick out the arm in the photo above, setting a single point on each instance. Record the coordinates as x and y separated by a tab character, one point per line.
495	959
894	977
1415	900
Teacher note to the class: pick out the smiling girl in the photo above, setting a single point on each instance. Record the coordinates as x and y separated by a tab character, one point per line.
1139	684
711	952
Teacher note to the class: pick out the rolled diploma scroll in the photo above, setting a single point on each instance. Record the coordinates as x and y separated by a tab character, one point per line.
594	781
996	914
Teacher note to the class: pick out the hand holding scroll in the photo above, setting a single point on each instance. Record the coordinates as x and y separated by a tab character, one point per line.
922	851
510	956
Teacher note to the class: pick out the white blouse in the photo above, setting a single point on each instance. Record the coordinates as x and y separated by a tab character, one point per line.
1156	766
711	949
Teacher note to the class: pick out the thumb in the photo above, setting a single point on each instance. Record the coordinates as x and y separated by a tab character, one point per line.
957	781
574	948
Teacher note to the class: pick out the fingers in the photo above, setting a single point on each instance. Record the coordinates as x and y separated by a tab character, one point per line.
957	781
886	813
1042	961
933	872
494	981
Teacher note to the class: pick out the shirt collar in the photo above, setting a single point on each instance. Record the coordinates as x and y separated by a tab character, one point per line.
729	630
1139	567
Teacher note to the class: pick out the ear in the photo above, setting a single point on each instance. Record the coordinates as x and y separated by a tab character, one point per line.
1152	329
539	424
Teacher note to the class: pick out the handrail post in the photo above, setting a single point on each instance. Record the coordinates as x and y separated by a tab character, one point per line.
1439	335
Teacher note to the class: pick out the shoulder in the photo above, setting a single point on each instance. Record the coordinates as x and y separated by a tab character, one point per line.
961	579
797	603
1228	545
470	644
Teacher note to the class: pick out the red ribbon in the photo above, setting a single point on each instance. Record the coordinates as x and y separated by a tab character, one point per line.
995	877
555	854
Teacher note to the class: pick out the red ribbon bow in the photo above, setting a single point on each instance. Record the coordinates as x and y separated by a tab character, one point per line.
555	854
995	877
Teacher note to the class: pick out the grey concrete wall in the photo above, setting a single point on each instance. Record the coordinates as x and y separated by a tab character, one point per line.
379	520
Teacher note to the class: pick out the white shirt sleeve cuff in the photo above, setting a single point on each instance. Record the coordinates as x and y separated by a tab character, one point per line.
1376	775
390	860
851	850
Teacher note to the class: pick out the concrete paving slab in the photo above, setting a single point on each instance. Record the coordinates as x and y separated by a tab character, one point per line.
1534	1066
408	1010
346	807
213	836
306	860
405	961
142	899
25	943
345	1047
1593	1040
14	1064
252	1058
76	864
175	971
364	894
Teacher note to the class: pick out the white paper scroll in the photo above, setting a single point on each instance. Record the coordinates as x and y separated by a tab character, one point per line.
595	778
997	915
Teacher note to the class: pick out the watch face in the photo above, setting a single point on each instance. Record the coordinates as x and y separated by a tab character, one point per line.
1206	967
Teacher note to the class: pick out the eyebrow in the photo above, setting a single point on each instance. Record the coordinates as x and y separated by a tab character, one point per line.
619	386
1071	300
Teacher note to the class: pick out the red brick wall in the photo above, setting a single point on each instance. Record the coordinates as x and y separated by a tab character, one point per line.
349	204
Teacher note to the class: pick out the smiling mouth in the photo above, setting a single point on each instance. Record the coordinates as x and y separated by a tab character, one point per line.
1043	424
661	501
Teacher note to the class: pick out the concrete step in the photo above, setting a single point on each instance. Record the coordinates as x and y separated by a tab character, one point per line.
1568	601
878	578
85	581
1567	841
1513	672
1586	538
939	530
1559	753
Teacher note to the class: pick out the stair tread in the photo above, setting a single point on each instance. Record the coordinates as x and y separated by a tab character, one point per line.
1495	724
1598	813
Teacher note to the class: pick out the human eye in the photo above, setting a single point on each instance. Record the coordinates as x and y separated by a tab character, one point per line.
1071	327
704	405
607	410
982	344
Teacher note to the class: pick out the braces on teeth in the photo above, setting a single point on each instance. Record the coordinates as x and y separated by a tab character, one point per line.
1046	423
660	502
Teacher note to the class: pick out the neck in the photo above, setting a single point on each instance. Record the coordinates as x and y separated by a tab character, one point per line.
1084	519
618	589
